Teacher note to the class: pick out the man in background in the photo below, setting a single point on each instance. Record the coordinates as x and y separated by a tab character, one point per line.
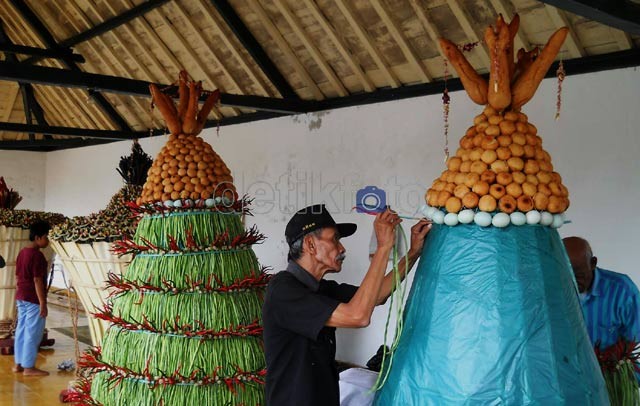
610	300
31	300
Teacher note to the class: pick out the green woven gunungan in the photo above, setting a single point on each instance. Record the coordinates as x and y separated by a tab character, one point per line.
201	224
163	351
227	266
130	349
214	310
130	393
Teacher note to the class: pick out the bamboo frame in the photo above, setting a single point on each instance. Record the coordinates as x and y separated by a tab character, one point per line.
88	266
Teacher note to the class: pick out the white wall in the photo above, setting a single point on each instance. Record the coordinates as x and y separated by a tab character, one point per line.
291	162
25	173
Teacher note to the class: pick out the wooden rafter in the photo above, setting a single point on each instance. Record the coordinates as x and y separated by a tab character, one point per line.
49	41
284	47
167	54
124	68
107	58
367	42
396	32
205	8
468	29
198	33
621	14
62	96
326	69
204	74
132	87
572	43
340	45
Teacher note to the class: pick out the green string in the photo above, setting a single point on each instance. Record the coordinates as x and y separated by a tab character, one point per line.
398	289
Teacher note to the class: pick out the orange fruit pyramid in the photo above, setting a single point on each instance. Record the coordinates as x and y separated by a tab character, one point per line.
501	165
187	167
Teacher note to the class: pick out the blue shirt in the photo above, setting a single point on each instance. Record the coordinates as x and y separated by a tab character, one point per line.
611	308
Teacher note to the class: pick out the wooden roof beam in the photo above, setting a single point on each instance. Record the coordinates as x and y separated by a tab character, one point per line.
396	32
72	131
50	144
621	14
51	43
43	53
206	10
132	87
106	57
254	48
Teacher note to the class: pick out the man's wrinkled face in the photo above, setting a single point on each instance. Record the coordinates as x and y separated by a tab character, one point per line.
329	251
582	262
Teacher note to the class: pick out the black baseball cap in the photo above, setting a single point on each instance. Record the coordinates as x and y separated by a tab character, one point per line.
312	218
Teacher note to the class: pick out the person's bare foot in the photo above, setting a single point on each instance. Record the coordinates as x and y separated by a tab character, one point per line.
34	372
17	368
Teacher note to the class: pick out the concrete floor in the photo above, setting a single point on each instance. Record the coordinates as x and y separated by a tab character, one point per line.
17	390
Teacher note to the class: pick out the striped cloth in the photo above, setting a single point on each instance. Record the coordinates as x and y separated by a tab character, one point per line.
611	308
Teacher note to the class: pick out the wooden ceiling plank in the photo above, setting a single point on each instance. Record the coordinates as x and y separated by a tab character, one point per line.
168	54
284	47
367	42
326	69
182	12
500	6
26	36
623	39
45	35
153	122
205	8
97	118
340	45
198	61
396	32
572	43
467	27
118	60
12	96
428	26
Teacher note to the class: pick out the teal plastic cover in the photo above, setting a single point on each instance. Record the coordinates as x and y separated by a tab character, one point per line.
493	318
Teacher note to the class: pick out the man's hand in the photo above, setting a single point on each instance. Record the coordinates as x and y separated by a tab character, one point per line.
384	227
418	233
44	311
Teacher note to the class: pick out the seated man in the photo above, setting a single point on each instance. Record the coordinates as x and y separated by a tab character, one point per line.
302	310
610	301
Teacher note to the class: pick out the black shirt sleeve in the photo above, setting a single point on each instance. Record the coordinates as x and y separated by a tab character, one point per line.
342	292
298	309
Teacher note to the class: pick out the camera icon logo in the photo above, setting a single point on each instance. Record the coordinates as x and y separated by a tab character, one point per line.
370	199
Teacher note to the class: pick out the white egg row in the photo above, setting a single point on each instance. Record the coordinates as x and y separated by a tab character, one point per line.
500	220
188	203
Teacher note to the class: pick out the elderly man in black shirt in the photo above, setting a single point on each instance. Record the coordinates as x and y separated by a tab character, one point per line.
302	310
